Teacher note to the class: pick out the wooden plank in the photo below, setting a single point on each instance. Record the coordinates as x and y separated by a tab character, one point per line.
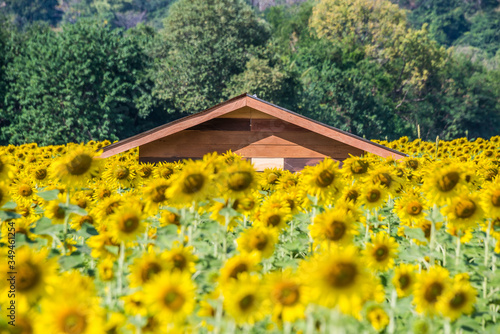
274	125
224	124
262	163
321	129
165	159
246	112
298	164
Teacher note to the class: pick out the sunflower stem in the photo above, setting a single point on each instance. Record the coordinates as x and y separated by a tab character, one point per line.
287	327
486	248
367	231
218	316
392	320
432	242
457	251
310	322
66	218
120	267
447	326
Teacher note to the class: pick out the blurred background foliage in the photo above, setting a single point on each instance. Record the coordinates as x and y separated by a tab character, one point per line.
76	70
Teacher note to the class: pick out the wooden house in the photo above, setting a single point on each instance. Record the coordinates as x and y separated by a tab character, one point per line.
267	134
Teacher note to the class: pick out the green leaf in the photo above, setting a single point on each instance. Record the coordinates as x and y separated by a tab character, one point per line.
49	195
87	231
6	215
44	226
75	260
415	233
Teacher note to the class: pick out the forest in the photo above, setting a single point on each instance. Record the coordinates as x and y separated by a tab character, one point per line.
80	70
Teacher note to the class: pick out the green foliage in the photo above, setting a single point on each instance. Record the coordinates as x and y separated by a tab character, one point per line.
86	82
208	41
29	11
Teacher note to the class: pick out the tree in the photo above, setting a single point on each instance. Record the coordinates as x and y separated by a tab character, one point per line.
207	41
83	83
29	11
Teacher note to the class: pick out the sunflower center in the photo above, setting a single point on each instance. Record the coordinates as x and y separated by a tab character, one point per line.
79	165
25	190
288	294
87	219
448	181
404	281
74	323
458	300
193	183
465	208
82	203
352	195
291	203
59	212
179	261
247	204
414	208
129	223
159	194
273	220
28	276
373	195
149	270
174	300
121	172
433	291
104	193
325	178
342	275
384	178
239	181
381	253
111	208
272	178
240	268
335	231
41	174
146	172
413	164
166	173
258	241
426	228
495	198
359	167
246	302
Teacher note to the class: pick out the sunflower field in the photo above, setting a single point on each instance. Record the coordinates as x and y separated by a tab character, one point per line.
112	245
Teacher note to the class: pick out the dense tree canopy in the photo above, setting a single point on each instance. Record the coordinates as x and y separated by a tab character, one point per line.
93	69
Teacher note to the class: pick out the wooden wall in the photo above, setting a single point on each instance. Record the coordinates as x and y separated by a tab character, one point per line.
253	135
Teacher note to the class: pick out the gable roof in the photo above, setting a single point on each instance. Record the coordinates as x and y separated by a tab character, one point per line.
246	100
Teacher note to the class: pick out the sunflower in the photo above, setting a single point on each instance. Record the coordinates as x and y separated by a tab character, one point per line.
337	277
134	304
105	208
286	293
120	173
287	181
170	296
443	181
180	258
102	190
22	225
429	288
356	167
56	210
146	267
154	195
269	178
334	226
5	168
23	191
404	279
33	272
165	170
105	269
169	217
258	239
273	217
387	177
76	168
238	179
410	208
69	316
458	300
126	224
381	252
464	211
377	317
490	198
244	300
323	181
192	184
145	171
98	245
238	264
373	196
4	194
351	194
